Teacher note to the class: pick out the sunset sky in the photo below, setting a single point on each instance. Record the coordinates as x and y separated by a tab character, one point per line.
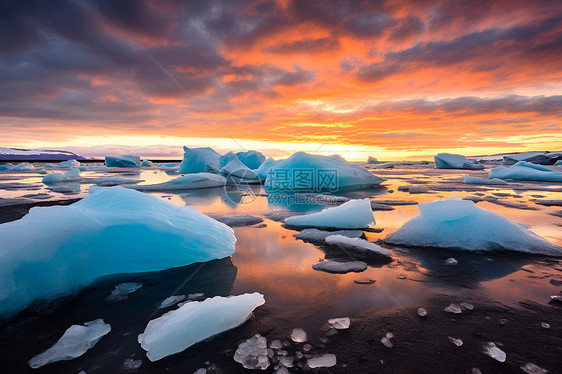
388	79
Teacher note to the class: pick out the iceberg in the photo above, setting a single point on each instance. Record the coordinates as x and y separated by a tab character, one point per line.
252	159
264	168
70	176
6	166
372	160
460	224
383	166
199	160
321	173
75	341
147	163
69	164
358	245
112	230
226	158
355	214
193	322
186	182
24	166
475	180
237	170
533	157
125	161
454	161
526	171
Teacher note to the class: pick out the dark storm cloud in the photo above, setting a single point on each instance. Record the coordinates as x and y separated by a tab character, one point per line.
305	46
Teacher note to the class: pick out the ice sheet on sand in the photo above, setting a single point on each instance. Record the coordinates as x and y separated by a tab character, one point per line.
454	161
69	176
355	214
460	224
186	182
525	171
125	161
146	163
357	245
325	361
315	235
24	166
340	267
252	159
199	160
69	164
340	323
235	168
494	352
196	321
75	341
265	167
113	230
115	180
252	353
238	221
468	179
325	173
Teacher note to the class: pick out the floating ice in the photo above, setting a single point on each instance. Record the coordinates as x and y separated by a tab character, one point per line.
456	341
125	161
355	214
340	267
340	323
534	157
75	341
558	163
196	321
252	159
171	300
40	171
526	171
8	167
252	353
238	221
386	342
132	364
69	176
454	161
422	312
113	230
264	168
451	261
235	168
327	173
453	308
457	223
531	368
475	180
226	158
315	235
199	160
69	164
147	163
24	166
122	290
494	352
325	361
358	245
383	166
298	335
372	160
186	182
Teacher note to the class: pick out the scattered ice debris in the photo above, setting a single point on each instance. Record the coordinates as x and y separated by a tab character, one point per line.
422	312
365	281
193	322
456	341
383	166
545	325
125	161
252	353
355	214
171	300
475	180
315	235
265	168
340	267
252	159
358	245
186	182
460	224
147	163
237	170
69	176
238	221
76	340
132	364
525	171
287	361
337	173
451	261
340	323
298	335
325	361
493	351
453	308
454	161
122	290
386	342
276	344
24	166
466	306
69	164
199	160
531	368
91	238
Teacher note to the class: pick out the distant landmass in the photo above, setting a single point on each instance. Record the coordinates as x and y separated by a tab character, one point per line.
16	154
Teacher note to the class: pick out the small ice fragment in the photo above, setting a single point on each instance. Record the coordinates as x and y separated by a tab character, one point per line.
389	335
298	335
122	290
276	344
200	371
545	325
325	361
365	281
456	341
531	368
340	323
306	347
422	312
195	296
252	353
75	341
386	342
494	352
475	371
132	364
171	300
299	354
453	308
467	306
332	331
451	261
286	361
281	370
401	276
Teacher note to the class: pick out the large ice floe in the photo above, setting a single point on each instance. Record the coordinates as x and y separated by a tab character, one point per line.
526	171
186	182
454	161
460	224
199	160
195	321
72	175
534	157
76	340
318	173
24	166
125	161
55	250
469	179
355	214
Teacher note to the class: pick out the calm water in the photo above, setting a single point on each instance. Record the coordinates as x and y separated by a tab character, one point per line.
271	261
